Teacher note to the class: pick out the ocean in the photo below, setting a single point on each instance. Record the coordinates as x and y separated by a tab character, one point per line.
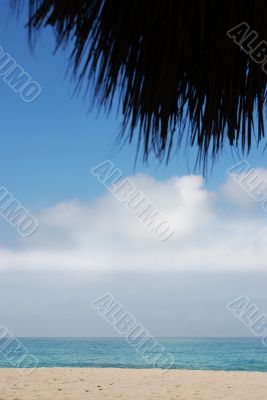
228	354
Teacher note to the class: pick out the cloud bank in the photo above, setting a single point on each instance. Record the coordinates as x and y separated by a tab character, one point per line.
222	230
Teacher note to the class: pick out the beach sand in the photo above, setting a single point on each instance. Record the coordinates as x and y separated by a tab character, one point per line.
111	384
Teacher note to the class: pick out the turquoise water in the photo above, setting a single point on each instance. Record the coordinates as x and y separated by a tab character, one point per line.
234	354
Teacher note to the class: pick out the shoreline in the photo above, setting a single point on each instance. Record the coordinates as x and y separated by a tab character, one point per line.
114	383
163	371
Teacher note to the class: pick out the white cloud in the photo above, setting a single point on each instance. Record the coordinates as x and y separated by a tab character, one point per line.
210	233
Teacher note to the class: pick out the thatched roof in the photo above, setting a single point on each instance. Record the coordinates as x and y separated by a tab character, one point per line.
178	75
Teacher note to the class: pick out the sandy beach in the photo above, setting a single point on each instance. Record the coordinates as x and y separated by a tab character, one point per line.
87	383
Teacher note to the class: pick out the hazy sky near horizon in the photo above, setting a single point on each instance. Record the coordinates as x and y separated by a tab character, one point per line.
88	243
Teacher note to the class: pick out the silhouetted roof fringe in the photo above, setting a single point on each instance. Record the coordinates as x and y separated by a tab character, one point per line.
177	73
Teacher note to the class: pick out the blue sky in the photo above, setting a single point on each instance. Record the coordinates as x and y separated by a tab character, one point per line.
48	146
47	150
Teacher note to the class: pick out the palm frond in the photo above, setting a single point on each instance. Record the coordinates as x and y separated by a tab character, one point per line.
176	72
